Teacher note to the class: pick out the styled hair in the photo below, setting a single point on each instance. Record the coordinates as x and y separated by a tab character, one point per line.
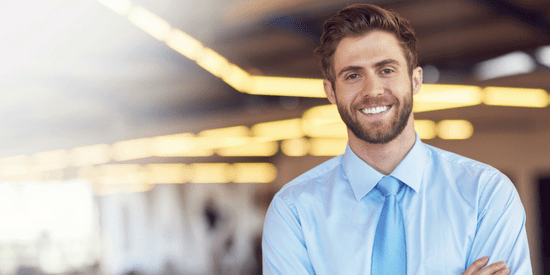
360	19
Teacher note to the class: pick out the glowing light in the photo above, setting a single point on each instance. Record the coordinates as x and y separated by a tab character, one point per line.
121	174
167	173
519	97
286	86
324	121
438	97
132	149
278	130
179	145
237	78
90	155
213	62
121	7
254	148
253	172
51	160
150	23
327	146
509	64
455	129
184	44
210	173
236	131
426	129
295	147
543	55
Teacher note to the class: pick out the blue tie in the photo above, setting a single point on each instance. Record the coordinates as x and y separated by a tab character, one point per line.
389	254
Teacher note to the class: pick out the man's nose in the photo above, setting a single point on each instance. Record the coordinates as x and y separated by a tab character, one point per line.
373	87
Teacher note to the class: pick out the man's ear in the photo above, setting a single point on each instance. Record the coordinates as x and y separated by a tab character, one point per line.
329	91
416	79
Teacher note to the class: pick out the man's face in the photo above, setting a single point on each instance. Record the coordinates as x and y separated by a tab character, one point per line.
373	88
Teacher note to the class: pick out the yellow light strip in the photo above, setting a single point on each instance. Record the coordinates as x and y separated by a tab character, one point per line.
518	97
327	146
279	130
426	129
168	173
286	86
90	155
295	147
253	172
150	23
438	97
455	129
258	148
431	97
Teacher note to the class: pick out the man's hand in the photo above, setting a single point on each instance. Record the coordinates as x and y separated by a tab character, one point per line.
498	268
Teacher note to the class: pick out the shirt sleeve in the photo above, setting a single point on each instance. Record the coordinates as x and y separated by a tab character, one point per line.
283	247
500	233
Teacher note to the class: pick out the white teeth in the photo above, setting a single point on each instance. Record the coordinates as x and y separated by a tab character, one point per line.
375	110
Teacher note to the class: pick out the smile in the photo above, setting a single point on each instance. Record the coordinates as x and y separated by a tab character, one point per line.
375	110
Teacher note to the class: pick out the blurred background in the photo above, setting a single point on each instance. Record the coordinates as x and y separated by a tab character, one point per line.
148	137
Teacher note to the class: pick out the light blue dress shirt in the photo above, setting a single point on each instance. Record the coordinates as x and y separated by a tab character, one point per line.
455	211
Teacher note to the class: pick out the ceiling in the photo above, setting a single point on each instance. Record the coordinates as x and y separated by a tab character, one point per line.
76	73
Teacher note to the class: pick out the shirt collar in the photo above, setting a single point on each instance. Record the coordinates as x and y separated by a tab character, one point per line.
364	178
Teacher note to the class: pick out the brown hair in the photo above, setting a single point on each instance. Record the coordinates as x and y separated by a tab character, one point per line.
360	19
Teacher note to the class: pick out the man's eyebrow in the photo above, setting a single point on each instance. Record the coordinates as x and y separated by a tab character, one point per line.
386	62
376	65
349	68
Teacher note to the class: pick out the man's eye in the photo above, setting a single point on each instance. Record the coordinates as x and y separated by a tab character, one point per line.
386	71
352	76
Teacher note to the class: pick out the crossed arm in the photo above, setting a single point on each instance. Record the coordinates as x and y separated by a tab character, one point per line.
478	268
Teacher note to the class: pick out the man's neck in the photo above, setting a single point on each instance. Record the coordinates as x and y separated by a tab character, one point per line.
384	157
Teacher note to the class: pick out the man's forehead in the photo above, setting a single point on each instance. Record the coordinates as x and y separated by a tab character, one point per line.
368	49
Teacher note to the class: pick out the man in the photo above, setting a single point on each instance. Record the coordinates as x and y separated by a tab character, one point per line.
448	214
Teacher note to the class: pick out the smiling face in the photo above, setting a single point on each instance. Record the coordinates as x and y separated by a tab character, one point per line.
373	88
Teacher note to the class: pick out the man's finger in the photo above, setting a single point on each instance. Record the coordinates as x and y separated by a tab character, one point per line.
476	265
495	268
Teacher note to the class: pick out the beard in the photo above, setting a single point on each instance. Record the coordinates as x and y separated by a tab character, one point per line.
377	132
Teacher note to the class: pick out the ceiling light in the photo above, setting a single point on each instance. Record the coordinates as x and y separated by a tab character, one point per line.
255	148
90	155
150	23
235	131
455	129
180	145
438	97
509	64
184	44
253	172
132	149
167	173
425	128
51	160
295	147
519	97
287	86
543	55
278	130
214	63
120	174
210	173
327	146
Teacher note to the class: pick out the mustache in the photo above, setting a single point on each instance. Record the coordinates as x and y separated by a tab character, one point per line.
377	101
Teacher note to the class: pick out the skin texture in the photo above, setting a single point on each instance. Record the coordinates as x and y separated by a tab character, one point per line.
372	71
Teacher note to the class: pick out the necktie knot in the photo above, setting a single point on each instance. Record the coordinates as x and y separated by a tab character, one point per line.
389	185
